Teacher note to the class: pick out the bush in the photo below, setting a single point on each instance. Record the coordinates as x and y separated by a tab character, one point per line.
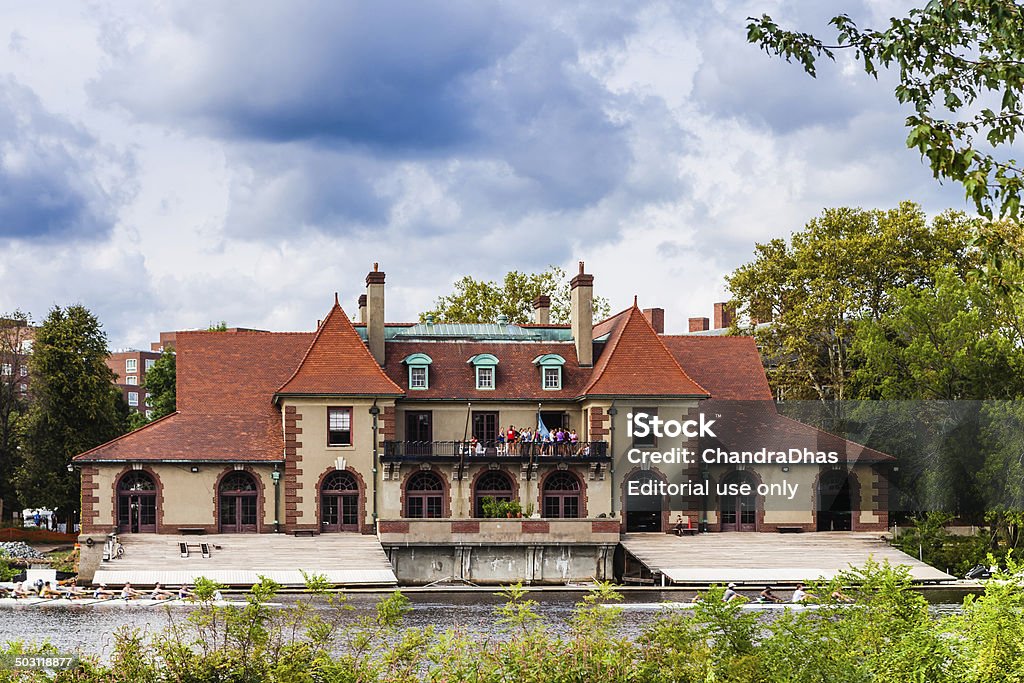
886	635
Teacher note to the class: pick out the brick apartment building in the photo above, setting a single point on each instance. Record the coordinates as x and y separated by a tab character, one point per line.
130	367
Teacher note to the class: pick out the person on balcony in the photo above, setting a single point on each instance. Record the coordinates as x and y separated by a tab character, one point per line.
511	447
574	442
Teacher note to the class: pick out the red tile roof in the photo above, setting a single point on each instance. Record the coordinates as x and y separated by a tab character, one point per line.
339	363
516	377
753	425
728	367
225	384
634	362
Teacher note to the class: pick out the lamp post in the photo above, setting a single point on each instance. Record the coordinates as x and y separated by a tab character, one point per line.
275	476
374	412
612	412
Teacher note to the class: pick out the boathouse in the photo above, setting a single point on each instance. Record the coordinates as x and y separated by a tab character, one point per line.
395	433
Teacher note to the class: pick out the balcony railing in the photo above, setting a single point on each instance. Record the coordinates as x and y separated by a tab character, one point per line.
469	450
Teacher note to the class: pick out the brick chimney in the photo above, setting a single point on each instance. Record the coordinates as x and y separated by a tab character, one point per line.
362	308
581	315
724	313
375	313
542	310
656	317
699	324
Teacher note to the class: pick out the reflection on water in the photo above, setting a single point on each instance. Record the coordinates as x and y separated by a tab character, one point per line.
90	631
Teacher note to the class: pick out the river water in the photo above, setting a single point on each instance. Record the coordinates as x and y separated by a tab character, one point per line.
90	631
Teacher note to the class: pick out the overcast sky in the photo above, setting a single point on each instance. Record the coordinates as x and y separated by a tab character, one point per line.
242	161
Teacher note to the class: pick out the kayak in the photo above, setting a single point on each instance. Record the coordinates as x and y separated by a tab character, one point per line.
120	602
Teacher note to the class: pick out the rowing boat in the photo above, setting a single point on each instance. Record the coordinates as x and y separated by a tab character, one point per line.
120	602
750	606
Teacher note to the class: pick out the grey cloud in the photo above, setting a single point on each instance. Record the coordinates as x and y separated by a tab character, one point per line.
48	172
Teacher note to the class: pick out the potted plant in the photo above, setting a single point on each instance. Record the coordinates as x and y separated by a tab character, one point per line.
491	507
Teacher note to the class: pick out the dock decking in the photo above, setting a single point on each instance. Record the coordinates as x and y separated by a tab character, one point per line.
240	559
766	558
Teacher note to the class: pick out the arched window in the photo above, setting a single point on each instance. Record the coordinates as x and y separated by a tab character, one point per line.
339	502
238	495
562	495
424	495
492	484
136	503
739	511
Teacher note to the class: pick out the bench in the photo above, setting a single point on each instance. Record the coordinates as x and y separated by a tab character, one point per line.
687	531
306	532
192	531
791	529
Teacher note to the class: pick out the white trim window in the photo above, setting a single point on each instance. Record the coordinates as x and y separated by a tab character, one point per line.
133	380
339	426
485	377
486	367
150	362
550	365
24	371
553	377
131	365
6	369
133	398
418	377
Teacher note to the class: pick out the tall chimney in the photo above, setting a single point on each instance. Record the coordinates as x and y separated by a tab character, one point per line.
724	314
375	313
362	308
581	314
542	310
656	317
699	324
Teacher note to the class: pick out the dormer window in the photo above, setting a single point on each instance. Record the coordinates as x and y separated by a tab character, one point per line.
486	366
419	371
550	365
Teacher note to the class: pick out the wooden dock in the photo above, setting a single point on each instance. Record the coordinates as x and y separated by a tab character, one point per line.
240	559
762	558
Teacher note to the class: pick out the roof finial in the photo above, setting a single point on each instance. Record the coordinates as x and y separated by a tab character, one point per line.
336	302
581	267
376	266
634	301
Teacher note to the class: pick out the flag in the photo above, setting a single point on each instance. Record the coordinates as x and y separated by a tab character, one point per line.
541	429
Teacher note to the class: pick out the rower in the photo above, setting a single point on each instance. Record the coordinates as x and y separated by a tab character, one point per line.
184	593
160	593
129	593
768	596
103	593
21	591
801	595
47	591
731	594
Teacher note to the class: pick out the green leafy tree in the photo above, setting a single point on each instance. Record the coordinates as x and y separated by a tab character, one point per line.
480	301
940	342
75	407
844	266
961	68
15	332
161	384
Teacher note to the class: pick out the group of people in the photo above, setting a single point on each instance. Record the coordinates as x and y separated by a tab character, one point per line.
768	596
527	441
71	591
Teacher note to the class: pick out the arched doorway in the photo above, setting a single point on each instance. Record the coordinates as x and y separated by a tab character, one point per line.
238	494
835	501
738	512
562	495
491	484
339	502
136	503
424	496
643	511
